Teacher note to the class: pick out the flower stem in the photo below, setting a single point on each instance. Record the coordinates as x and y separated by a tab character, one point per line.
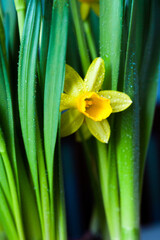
128	172
93	177
80	35
131	234
21	12
21	18
90	40
128	140
43	188
59	198
109	188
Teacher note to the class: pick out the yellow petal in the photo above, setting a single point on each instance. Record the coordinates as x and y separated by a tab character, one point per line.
85	7
74	85
100	130
71	121
95	75
84	130
119	101
93	106
95	7
67	101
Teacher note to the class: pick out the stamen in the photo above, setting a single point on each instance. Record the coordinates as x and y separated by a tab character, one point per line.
88	102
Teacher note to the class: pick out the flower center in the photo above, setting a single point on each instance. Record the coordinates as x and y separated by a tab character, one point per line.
93	106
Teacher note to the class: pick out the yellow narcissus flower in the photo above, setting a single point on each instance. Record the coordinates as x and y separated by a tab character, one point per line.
86	5
85	103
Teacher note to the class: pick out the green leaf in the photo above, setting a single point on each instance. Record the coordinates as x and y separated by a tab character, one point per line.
10	21
54	81
12	186
28	202
4	183
148	78
20	6
111	14
27	86
46	23
128	140
109	185
72	58
6	108
6	218
60	213
46	211
82	45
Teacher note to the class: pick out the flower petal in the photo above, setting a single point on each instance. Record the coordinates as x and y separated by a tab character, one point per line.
67	101
95	75
74	85
71	122
85	7
100	130
95	7
119	101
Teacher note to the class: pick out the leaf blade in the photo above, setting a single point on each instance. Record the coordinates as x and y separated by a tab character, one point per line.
111	14
54	81
27	87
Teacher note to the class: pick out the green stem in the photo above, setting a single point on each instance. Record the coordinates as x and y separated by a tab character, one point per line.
93	177
31	224
60	211
80	35
12	186
7	219
131	234
128	139
11	181
62	231
21	18
43	188
90	40
21	12
109	188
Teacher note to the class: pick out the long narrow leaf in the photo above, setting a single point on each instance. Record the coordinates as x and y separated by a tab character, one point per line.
149	80
6	109
46	23
111	14
60	214
128	141
7	219
82	45
12	186
109	186
31	224
4	183
27	87
54	80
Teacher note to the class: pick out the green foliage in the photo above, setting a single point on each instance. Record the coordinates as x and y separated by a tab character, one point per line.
111	15
128	141
54	81
6	107
27	87
32	202
34	207
148	78
46	25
